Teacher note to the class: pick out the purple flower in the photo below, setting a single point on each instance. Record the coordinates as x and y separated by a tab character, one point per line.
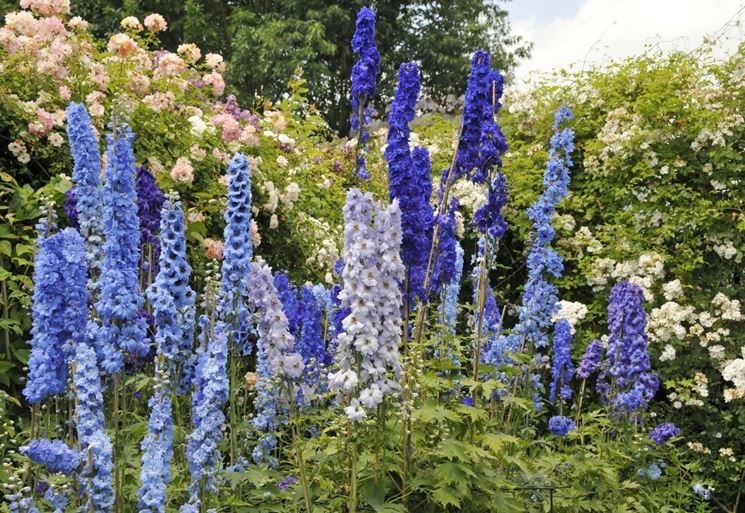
562	368
591	360
287	483
560	425
410	182
488	218
149	203
664	432
287	293
467	400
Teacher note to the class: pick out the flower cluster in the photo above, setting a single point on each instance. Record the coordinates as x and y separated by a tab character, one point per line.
372	276
364	77
287	294
410	182
562	367
171	296
123	327
488	218
664	432
157	450
590	360
238	251
447	247
451	293
539	301
560	425
97	476
149	204
56	455
87	192
59	312
310	344
628	366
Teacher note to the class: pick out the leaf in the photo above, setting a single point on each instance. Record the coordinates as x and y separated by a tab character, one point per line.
454	449
496	442
446	496
435	412
453	473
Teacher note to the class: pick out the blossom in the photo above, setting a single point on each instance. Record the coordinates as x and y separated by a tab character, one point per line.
59	312
155	22
364	76
213	61
310	344
447	248
663	432
703	491
216	81
539	300
121	44
571	311
214	248
123	328
131	23
628	363
87	190
367	345
149	203
451	293
182	171
560	425
489	219
97	479
287	294
190	52
590	360
47	7
170	295
410	183
238	251
157	453
562	367
56	455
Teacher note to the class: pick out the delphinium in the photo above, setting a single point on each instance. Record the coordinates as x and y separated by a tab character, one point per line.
149	204
310	343
664	432
97	475
445	260
371	280
588	366
123	327
55	455
287	294
539	299
157	447
410	182
87	191
209	396
237	253
59	312
449	302
171	296
364	77
627	381
562	368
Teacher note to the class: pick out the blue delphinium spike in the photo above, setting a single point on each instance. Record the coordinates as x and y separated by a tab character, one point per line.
56	455
562	368
59	312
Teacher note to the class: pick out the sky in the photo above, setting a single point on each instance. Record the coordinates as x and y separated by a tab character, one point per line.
581	33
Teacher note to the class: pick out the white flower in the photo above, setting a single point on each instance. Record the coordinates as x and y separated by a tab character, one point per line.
734	371
573	312
199	126
354	412
672	290
293	365
371	397
282	161
273	222
668	354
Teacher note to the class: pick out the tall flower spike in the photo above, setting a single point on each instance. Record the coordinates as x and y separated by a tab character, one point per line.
86	175
451	293
310	344
171	296
157	450
123	327
367	352
287	294
562	367
59	312
477	105
364	76
627	382
237	253
56	455
539	299
97	477
410	182
149	204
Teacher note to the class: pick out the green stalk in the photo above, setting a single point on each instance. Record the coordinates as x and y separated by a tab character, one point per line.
301	467
352	443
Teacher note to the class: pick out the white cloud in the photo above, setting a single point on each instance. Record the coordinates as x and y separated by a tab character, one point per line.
602	30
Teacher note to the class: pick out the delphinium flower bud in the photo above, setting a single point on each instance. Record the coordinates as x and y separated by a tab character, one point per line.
87	192
364	76
562	367
123	327
237	253
627	381
56	455
410	182
171	296
59	312
97	476
149	204
157	448
539	299
371	278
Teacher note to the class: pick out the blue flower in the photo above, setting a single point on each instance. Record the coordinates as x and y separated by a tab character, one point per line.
562	368
628	374
56	455
703	491
87	192
59	312
237	253
445	263
410	182
664	432
451	294
590	360
560	425
149	204
287	294
157	453
488	218
123	327
364	76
